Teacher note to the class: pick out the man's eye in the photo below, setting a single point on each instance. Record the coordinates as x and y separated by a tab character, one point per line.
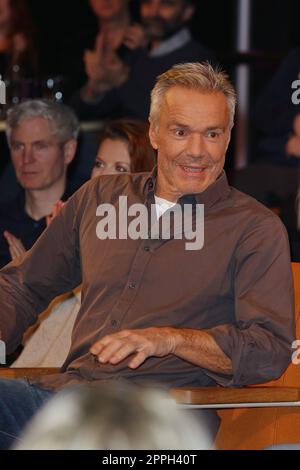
16	147
213	135
179	132
98	164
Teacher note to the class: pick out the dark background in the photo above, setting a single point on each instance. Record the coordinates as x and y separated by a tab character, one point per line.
275	26
274	31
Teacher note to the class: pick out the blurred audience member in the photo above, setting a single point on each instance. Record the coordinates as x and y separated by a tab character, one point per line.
124	146
95	51
273	176
42	136
18	58
275	112
18	55
168	42
112	416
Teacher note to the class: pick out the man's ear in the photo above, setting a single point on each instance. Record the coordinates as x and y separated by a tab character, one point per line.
70	148
153	135
188	13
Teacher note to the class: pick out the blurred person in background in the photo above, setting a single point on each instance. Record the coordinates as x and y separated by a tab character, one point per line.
18	58
42	137
163	41
18	54
113	416
273	176
124	146
90	58
93	53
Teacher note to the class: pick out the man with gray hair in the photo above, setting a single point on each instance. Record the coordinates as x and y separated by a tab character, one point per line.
42	137
153	311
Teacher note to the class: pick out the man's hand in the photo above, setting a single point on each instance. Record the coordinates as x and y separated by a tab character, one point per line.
94	59
195	346
104	69
135	37
142	343
15	246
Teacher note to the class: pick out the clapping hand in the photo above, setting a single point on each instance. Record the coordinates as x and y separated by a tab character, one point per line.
103	67
15	246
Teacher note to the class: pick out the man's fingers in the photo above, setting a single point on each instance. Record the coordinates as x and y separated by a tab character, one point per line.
107	346
106	340
14	242
110	350
141	344
117	347
138	359
124	351
135	37
7	235
13	253
16	250
100	345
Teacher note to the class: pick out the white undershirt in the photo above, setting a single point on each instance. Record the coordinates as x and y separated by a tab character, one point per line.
162	205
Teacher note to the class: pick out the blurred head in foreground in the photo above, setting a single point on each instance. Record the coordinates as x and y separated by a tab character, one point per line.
112	416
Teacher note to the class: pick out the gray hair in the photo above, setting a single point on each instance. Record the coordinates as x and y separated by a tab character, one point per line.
196	76
62	119
114	415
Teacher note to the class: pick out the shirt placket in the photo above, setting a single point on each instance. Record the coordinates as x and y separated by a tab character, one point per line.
134	280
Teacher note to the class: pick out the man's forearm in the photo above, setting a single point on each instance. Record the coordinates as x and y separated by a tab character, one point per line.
199	348
195	346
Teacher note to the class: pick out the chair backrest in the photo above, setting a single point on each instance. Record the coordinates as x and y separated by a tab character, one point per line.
291	377
258	428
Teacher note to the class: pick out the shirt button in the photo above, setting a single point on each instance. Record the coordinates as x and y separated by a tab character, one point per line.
132	285
114	322
147	248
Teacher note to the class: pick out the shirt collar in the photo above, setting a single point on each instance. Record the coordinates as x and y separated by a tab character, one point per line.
217	191
173	43
19	212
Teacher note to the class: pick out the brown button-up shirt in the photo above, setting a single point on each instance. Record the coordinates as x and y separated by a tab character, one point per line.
238	287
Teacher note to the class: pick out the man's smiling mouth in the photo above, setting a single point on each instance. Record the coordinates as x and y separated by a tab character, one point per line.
193	170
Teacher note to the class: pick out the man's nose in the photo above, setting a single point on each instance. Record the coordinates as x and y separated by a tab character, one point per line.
28	155
196	145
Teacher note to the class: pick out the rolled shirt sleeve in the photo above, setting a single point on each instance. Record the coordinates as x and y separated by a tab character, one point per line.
259	343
